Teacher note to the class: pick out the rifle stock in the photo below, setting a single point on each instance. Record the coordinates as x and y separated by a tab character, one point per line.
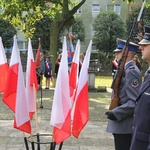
115	85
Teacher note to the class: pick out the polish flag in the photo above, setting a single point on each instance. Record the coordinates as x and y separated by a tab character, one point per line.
37	58
14	94
81	113
3	67
60	115
31	81
73	77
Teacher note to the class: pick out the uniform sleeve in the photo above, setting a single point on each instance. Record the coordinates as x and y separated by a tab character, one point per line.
132	87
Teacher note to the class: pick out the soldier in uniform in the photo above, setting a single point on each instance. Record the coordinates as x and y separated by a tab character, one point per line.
118	54
121	117
141	122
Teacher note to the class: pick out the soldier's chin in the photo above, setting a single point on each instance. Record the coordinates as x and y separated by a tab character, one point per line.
144	58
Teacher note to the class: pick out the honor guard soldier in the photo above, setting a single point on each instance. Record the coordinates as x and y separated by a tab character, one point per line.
141	122
118	54
121	117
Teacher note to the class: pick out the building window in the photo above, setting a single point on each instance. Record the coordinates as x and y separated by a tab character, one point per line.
117	8
95	8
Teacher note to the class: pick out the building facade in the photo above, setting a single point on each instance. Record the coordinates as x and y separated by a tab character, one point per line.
91	8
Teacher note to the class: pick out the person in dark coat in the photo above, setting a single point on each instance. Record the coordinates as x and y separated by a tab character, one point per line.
141	122
48	71
121	117
40	70
57	64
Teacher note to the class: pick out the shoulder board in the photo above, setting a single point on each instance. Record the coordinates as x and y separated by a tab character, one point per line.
131	67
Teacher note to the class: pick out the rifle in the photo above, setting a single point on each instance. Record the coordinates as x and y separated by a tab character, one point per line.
116	81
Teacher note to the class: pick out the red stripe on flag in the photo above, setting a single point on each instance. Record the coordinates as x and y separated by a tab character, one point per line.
73	78
26	127
37	59
33	77
62	134
81	113
3	76
9	96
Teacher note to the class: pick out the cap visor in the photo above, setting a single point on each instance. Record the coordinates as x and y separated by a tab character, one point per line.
144	41
117	50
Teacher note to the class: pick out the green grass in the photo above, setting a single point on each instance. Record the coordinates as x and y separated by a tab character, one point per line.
103	81
99	81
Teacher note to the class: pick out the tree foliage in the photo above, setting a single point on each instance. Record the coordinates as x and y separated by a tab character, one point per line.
43	32
7	31
107	27
77	30
139	28
25	13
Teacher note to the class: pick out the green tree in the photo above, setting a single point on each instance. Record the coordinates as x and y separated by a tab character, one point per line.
107	27
24	13
139	29
77	30
43	32
7	31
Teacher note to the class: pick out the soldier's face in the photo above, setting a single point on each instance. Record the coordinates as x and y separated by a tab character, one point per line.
145	49
118	55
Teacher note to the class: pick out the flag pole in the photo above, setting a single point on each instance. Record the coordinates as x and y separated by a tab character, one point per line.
36	118
41	78
25	141
36	114
32	142
41	105
52	146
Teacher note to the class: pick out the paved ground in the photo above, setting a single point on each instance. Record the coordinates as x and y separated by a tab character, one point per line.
93	136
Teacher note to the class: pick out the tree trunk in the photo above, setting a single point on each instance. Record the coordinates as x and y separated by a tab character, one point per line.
54	33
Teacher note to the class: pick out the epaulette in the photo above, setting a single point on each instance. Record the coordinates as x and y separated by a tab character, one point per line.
132	67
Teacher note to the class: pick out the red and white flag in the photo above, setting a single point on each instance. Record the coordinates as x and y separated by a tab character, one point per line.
81	113
3	67
31	81
60	115
14	94
73	77
37	57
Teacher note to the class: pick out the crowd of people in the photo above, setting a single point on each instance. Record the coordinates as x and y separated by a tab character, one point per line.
45	70
129	122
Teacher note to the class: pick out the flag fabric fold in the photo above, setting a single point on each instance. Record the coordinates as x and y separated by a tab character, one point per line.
22	119
39	61
81	112
14	94
60	115
73	77
31	80
3	67
37	57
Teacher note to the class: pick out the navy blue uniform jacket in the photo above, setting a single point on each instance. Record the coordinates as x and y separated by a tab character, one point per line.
141	122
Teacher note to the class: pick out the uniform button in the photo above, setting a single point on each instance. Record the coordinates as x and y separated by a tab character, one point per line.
133	127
